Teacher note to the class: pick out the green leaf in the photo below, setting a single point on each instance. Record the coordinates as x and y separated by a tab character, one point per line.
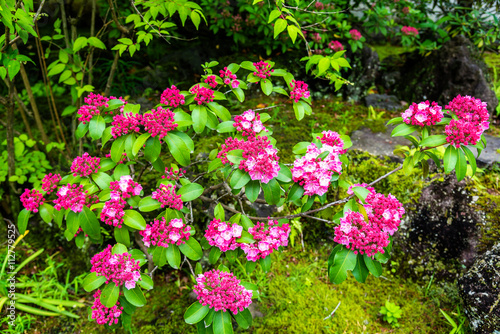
214	255
213	165
271	191
89	223
243	318
135	296
300	148
279	26
117	149
292	32
284	174
46	212
345	260
219	212
373	266
122	236
222	323
361	192
160	256
134	219
396	120
450	158
323	65
295	192
81	130
239	179
246	238
146	282
403	130
22	220
192	249
471	158
238	92
265	263
220	111
235	156
267	86
106	164
92	282
96	127
195	313
54	70
102	180
139	143
148	204
182	118
360	272
121	170
461	166
274	15
190	192
226	127
200	118
179	149
433	141
173	256
153	149
110	294
252	190
118	249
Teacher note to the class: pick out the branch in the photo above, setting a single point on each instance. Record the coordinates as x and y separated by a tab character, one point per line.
122	29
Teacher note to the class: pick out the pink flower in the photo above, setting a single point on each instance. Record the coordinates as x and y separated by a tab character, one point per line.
85	165
70	196
166	195
222	291
125	123
125	187
336	46
223	235
267	239
93	106
316	37
211	81
159	233
423	114
159	122
105	315
263	70
173	174
249	123
406	10
50	181
202	94
319	5
460	132
355	34
409	31
229	78
299	90
120	269
113	211
172	97
32	199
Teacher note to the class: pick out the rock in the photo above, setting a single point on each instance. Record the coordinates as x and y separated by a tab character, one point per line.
454	69
491	153
479	289
380	143
444	222
387	102
363	73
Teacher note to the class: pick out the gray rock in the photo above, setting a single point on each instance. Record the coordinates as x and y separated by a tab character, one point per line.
479	289
387	102
490	154
380	143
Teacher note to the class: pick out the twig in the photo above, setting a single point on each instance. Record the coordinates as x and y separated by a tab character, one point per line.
152	271
386	175
333	312
120	27
313	12
270	107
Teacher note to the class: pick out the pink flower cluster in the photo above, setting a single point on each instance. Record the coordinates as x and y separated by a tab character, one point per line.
316	37
173	174
406	10
125	187
159	233
423	114
159	122
267	239
221	290
260	159
471	123
409	31
315	174
113	211
32	199
105	315
299	90
50	181
125	123
249	123
166	195
85	165
263	69
370	237
223	234
92	107
355	34
211	80
202	94
336	46
120	269
229	78
70	196
172	97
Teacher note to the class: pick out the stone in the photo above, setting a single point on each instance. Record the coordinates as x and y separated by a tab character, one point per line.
364	71
490	154
479	289
379	144
454	69
383	101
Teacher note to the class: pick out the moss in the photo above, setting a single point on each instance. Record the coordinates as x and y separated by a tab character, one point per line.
385	51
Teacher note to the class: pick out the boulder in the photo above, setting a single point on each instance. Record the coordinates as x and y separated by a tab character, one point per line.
454	69
479	289
387	102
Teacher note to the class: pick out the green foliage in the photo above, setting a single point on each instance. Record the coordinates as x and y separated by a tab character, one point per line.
391	313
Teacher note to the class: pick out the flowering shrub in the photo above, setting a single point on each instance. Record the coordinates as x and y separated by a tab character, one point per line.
105	196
